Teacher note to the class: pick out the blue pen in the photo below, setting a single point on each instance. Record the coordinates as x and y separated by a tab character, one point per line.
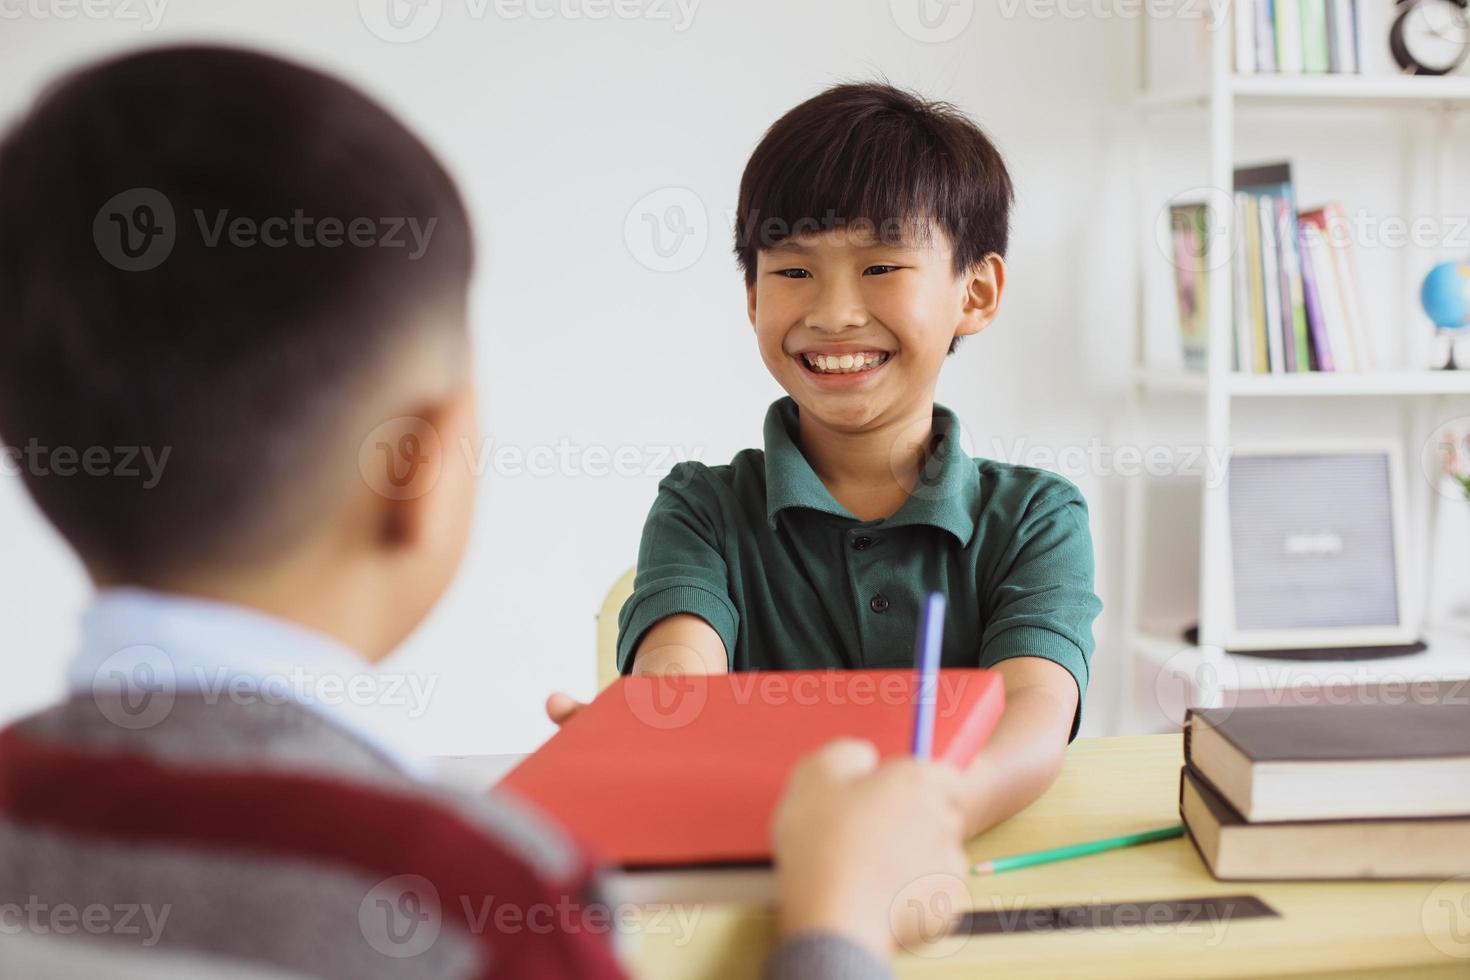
926	664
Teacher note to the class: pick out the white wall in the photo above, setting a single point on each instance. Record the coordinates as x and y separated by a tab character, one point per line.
555	129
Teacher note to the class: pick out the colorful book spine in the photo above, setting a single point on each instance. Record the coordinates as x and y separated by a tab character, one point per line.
1265	34
1260	358
1336	291
1342	252
1289	37
1315	56
1342	30
1271	286
1240	273
1312	297
1299	356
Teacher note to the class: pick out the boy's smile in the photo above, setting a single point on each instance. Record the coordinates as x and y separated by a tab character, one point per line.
856	329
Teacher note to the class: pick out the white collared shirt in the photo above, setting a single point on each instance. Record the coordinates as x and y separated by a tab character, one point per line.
135	638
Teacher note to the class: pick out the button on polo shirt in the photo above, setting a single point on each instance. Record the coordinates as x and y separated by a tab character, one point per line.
790	579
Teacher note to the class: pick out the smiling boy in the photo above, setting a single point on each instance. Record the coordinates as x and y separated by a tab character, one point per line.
872	228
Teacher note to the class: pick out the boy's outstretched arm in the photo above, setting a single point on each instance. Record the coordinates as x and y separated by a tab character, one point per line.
1026	749
679	644
683	644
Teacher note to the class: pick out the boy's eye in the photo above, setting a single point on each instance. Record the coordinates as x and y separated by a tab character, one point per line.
793	273
879	270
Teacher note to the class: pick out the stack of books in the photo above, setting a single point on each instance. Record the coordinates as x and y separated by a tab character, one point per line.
1298	36
1294	281
1331	791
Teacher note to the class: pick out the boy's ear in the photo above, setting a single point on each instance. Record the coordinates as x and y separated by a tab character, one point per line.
750	304
984	284
418	476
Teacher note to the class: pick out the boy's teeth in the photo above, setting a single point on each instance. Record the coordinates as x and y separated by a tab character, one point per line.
844	363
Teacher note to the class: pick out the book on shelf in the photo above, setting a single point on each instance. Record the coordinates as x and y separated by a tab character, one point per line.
1189	232
1294	37
1375	788
1295	304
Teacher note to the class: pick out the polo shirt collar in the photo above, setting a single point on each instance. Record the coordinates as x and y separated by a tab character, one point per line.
946	496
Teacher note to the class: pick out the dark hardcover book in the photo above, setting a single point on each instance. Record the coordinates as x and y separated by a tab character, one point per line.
1429	847
1403	756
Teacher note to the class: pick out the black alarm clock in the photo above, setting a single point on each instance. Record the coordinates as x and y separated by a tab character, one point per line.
1430	37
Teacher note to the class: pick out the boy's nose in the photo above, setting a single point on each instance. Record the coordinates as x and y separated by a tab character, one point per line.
838	308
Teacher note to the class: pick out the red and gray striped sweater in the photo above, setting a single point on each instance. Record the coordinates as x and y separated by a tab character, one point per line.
263	839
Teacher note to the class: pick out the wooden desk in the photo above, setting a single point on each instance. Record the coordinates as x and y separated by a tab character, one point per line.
1115	786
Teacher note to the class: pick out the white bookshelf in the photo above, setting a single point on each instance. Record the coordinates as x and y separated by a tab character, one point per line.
1316	384
1317	91
1419	397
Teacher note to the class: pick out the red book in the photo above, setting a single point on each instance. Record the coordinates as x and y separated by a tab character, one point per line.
687	770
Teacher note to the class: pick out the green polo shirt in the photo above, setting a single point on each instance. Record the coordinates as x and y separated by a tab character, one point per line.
790	579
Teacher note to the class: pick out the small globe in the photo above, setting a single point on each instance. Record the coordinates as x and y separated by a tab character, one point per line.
1445	295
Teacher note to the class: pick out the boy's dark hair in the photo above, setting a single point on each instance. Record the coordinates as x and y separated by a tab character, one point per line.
873	156
180	273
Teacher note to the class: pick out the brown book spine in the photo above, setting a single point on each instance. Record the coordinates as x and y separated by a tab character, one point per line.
1188	719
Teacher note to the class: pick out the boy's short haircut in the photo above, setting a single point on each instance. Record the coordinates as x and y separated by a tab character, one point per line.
873	157
208	253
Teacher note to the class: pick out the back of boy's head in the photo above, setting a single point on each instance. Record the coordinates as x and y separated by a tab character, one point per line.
244	356
873	157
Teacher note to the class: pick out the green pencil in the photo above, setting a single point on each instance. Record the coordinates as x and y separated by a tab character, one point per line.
996	865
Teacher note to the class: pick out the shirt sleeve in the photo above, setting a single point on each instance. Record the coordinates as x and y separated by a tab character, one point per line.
1043	603
681	564
822	956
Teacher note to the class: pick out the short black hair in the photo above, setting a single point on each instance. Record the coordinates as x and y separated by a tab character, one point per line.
873	155
206	252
